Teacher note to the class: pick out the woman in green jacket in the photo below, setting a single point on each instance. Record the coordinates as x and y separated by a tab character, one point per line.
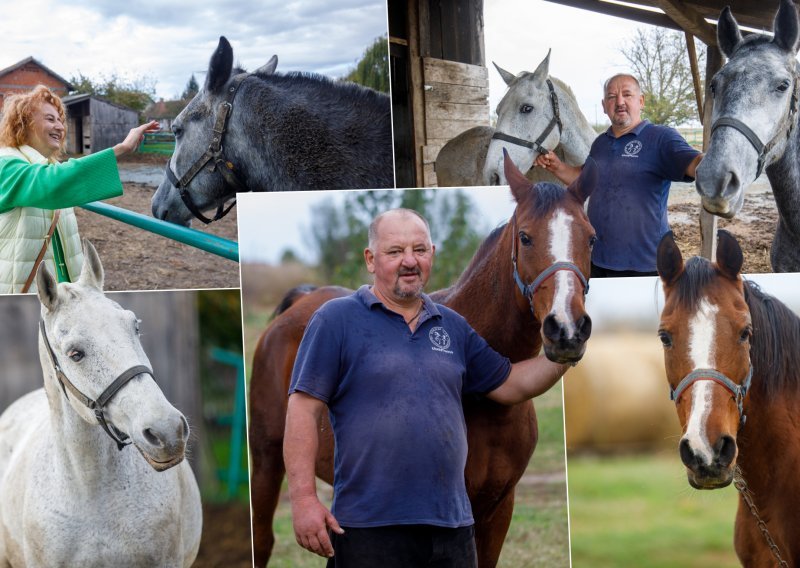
37	193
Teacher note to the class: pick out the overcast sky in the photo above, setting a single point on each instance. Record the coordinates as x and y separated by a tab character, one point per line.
169	40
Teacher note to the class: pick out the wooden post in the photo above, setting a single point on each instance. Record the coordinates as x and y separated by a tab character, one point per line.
708	222
418	20
698	94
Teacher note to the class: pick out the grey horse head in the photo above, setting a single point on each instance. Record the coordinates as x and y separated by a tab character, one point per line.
755	88
193	129
524	112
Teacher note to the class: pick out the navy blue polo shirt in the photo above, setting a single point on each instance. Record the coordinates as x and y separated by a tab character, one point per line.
394	399
628	208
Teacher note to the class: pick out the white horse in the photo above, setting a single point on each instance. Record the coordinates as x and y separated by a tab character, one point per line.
537	113
71	492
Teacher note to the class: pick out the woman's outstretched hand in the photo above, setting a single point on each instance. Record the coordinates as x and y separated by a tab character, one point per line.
134	138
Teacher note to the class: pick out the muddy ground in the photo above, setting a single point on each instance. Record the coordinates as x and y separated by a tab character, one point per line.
753	227
134	259
226	537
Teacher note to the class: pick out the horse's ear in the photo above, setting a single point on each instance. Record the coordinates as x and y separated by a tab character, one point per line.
729	255
728	35
584	184
269	67
507	76
516	180
92	270
786	27
543	70
220	66
669	260
46	287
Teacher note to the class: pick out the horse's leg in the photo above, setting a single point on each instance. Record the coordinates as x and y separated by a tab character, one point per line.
268	400
501	441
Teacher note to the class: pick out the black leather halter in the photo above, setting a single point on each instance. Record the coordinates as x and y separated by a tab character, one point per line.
98	406
787	124
536	145
528	290
215	154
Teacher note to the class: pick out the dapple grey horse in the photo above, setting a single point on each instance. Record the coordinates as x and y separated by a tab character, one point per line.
71	492
271	132
754	124
529	110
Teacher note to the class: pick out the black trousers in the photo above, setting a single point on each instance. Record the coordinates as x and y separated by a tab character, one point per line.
600	272
404	546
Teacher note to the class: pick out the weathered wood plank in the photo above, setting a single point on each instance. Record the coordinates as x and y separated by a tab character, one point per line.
441	92
448	128
457	111
454	73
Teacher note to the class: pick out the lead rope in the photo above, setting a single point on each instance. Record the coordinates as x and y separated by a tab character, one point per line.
744	491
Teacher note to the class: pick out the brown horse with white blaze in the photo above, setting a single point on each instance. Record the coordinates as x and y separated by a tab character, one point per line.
523	289
731	356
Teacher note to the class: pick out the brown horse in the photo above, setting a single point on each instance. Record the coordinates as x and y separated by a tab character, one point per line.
731	355
523	289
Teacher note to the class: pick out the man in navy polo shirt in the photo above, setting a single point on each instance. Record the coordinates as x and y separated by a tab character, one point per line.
637	162
391	367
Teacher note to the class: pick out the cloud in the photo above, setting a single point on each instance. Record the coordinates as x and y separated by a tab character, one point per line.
168	41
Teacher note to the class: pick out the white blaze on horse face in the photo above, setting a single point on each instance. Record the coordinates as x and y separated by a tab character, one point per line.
702	332
560	227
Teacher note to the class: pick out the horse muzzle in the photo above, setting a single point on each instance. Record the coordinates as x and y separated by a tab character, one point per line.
163	446
566	344
715	473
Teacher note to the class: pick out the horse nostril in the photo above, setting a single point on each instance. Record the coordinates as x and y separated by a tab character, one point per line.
152	437
725	449
687	455
183	429
584	328
553	330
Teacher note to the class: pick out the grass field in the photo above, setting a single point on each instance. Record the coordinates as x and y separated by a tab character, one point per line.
640	511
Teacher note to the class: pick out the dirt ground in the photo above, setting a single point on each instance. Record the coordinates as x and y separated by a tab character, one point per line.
753	227
134	259
226	540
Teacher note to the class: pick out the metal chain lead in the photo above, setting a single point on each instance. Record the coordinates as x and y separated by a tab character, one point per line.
744	491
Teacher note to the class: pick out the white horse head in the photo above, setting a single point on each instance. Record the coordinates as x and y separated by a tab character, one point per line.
93	341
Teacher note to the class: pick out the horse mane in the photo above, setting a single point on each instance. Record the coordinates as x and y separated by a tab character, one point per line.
483	254
698	273
353	92
548	195
776	335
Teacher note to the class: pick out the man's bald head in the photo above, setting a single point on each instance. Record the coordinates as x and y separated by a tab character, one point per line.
399	213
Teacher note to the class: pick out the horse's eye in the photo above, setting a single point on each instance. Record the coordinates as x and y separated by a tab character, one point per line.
746	334
525	109
784	86
177	130
592	240
76	355
665	337
713	89
138	326
525	239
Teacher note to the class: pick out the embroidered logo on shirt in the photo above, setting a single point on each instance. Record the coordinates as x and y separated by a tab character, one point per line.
632	148
440	339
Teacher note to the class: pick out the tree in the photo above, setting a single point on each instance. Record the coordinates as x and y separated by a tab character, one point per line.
373	68
339	232
191	88
134	93
659	60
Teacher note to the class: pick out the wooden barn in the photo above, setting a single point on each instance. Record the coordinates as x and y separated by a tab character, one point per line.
94	123
170	338
26	74
440	84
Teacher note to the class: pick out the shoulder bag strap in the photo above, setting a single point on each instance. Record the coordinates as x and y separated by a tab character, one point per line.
39	258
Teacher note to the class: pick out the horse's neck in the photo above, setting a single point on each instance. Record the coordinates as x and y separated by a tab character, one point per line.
578	134
81	451
486	296
784	177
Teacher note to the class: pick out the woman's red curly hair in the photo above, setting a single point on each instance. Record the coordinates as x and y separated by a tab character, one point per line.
18	115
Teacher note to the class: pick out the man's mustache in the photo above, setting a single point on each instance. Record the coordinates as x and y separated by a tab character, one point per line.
409	271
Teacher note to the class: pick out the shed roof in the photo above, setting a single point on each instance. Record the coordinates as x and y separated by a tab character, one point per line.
74	99
685	15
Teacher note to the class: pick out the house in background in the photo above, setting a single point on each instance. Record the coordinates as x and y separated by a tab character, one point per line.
26	74
165	112
95	123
